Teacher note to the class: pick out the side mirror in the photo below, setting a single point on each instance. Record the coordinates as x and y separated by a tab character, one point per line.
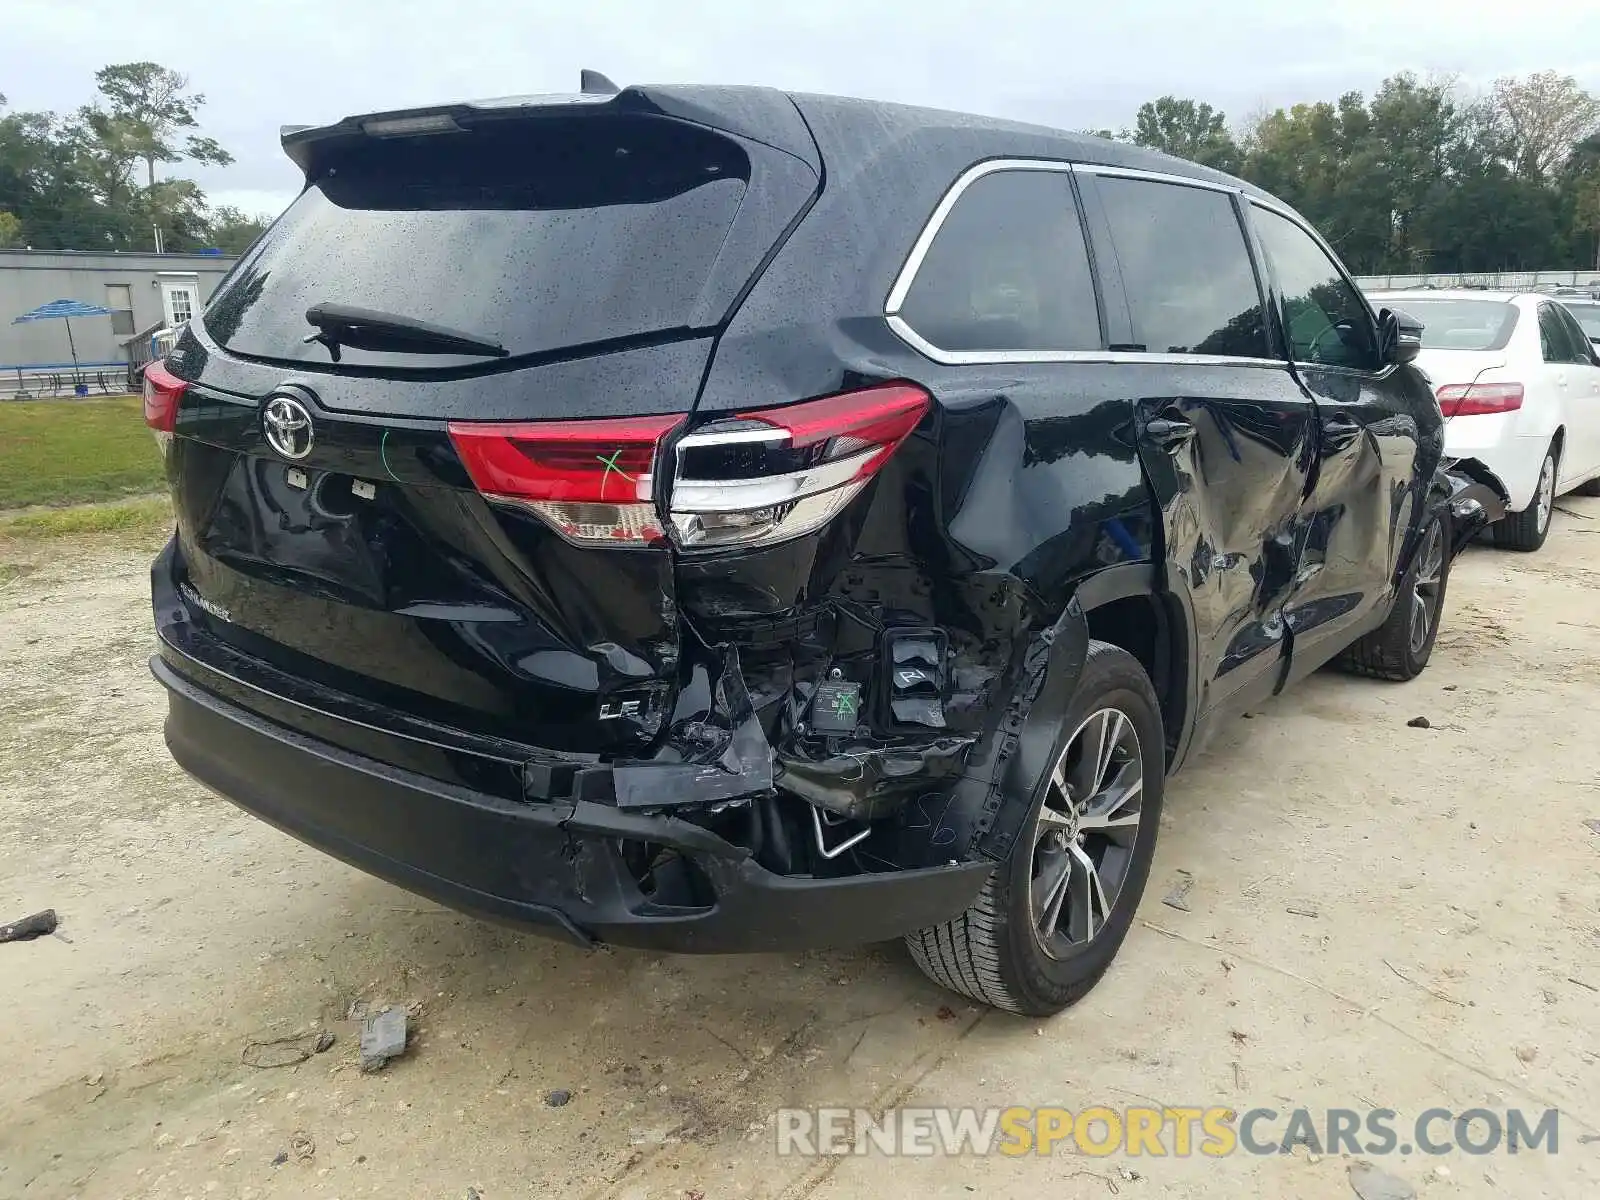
1399	336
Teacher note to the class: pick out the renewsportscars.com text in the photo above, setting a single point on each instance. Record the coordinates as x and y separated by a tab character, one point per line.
1158	1132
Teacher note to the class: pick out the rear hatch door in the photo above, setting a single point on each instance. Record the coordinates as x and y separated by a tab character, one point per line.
442	504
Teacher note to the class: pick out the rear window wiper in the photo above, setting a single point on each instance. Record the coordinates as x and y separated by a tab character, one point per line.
367	329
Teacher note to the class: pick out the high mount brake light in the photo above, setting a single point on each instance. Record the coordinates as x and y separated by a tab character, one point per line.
752	480
1476	399
163	391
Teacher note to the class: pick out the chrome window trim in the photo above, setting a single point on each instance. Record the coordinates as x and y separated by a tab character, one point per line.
1209	185
1299	223
919	251
956	358
919	248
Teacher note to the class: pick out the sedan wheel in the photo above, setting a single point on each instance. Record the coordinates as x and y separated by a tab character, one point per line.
1526	530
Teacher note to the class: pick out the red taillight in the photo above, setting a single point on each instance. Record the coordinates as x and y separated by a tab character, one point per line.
590	479
749	480
162	392
764	477
880	417
1475	399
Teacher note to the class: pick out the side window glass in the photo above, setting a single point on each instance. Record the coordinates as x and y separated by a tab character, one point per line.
1326	318
1577	339
1553	346
1008	270
1186	267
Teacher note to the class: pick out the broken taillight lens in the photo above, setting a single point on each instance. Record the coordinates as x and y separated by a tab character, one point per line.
591	480
767	476
163	391
1475	399
750	480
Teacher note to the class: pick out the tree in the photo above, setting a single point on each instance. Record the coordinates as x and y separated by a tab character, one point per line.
149	108
232	231
43	185
1545	116
1188	130
1586	213
10	231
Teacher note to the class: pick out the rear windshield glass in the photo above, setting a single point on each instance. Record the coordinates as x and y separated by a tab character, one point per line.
1588	316
1460	324
538	235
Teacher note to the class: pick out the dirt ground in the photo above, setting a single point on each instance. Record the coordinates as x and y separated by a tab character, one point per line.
1380	916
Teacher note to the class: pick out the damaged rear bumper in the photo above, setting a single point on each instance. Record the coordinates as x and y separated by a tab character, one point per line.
554	868
1477	500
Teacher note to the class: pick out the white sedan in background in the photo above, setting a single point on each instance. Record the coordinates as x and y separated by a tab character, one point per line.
1587	310
1518	381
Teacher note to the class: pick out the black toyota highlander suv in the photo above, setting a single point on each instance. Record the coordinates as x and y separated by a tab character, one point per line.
714	519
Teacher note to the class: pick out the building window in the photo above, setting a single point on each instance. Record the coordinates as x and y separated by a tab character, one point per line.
119	299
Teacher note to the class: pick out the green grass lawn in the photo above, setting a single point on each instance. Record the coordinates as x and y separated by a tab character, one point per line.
60	452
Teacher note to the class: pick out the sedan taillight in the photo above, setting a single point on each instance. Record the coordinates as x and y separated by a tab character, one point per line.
1475	399
750	480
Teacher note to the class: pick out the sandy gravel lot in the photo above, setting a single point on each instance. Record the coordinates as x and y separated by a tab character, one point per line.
1452	959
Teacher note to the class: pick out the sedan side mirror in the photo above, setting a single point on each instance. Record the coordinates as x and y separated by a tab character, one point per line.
1399	336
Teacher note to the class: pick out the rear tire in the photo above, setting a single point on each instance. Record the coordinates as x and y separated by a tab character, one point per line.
1080	866
1526	530
1399	649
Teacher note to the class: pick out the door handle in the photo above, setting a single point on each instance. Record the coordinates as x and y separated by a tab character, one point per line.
1340	431
1169	433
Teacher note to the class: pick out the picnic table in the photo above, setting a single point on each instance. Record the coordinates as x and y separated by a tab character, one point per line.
34	380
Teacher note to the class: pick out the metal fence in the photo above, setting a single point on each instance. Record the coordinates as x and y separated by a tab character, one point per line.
1501	281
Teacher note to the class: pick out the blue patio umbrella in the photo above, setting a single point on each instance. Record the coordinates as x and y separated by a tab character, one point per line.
64	310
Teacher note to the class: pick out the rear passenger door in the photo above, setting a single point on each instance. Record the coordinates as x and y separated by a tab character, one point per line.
1379	438
1226	435
1580	399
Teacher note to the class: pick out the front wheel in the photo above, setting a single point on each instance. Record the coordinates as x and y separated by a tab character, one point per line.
1053	915
1399	649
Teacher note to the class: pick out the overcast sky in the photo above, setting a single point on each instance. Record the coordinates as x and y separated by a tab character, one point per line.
1072	63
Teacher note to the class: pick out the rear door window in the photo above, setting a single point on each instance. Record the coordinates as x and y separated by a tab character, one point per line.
1008	269
537	235
1576	336
1557	342
1186	267
1327	320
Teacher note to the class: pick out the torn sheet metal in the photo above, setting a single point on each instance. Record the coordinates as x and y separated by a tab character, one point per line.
870	782
1477	500
715	748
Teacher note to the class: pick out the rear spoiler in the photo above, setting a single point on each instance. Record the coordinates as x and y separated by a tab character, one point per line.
1477	499
763	115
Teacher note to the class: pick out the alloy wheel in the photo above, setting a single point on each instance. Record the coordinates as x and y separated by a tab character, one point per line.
1547	491
1425	586
1084	834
